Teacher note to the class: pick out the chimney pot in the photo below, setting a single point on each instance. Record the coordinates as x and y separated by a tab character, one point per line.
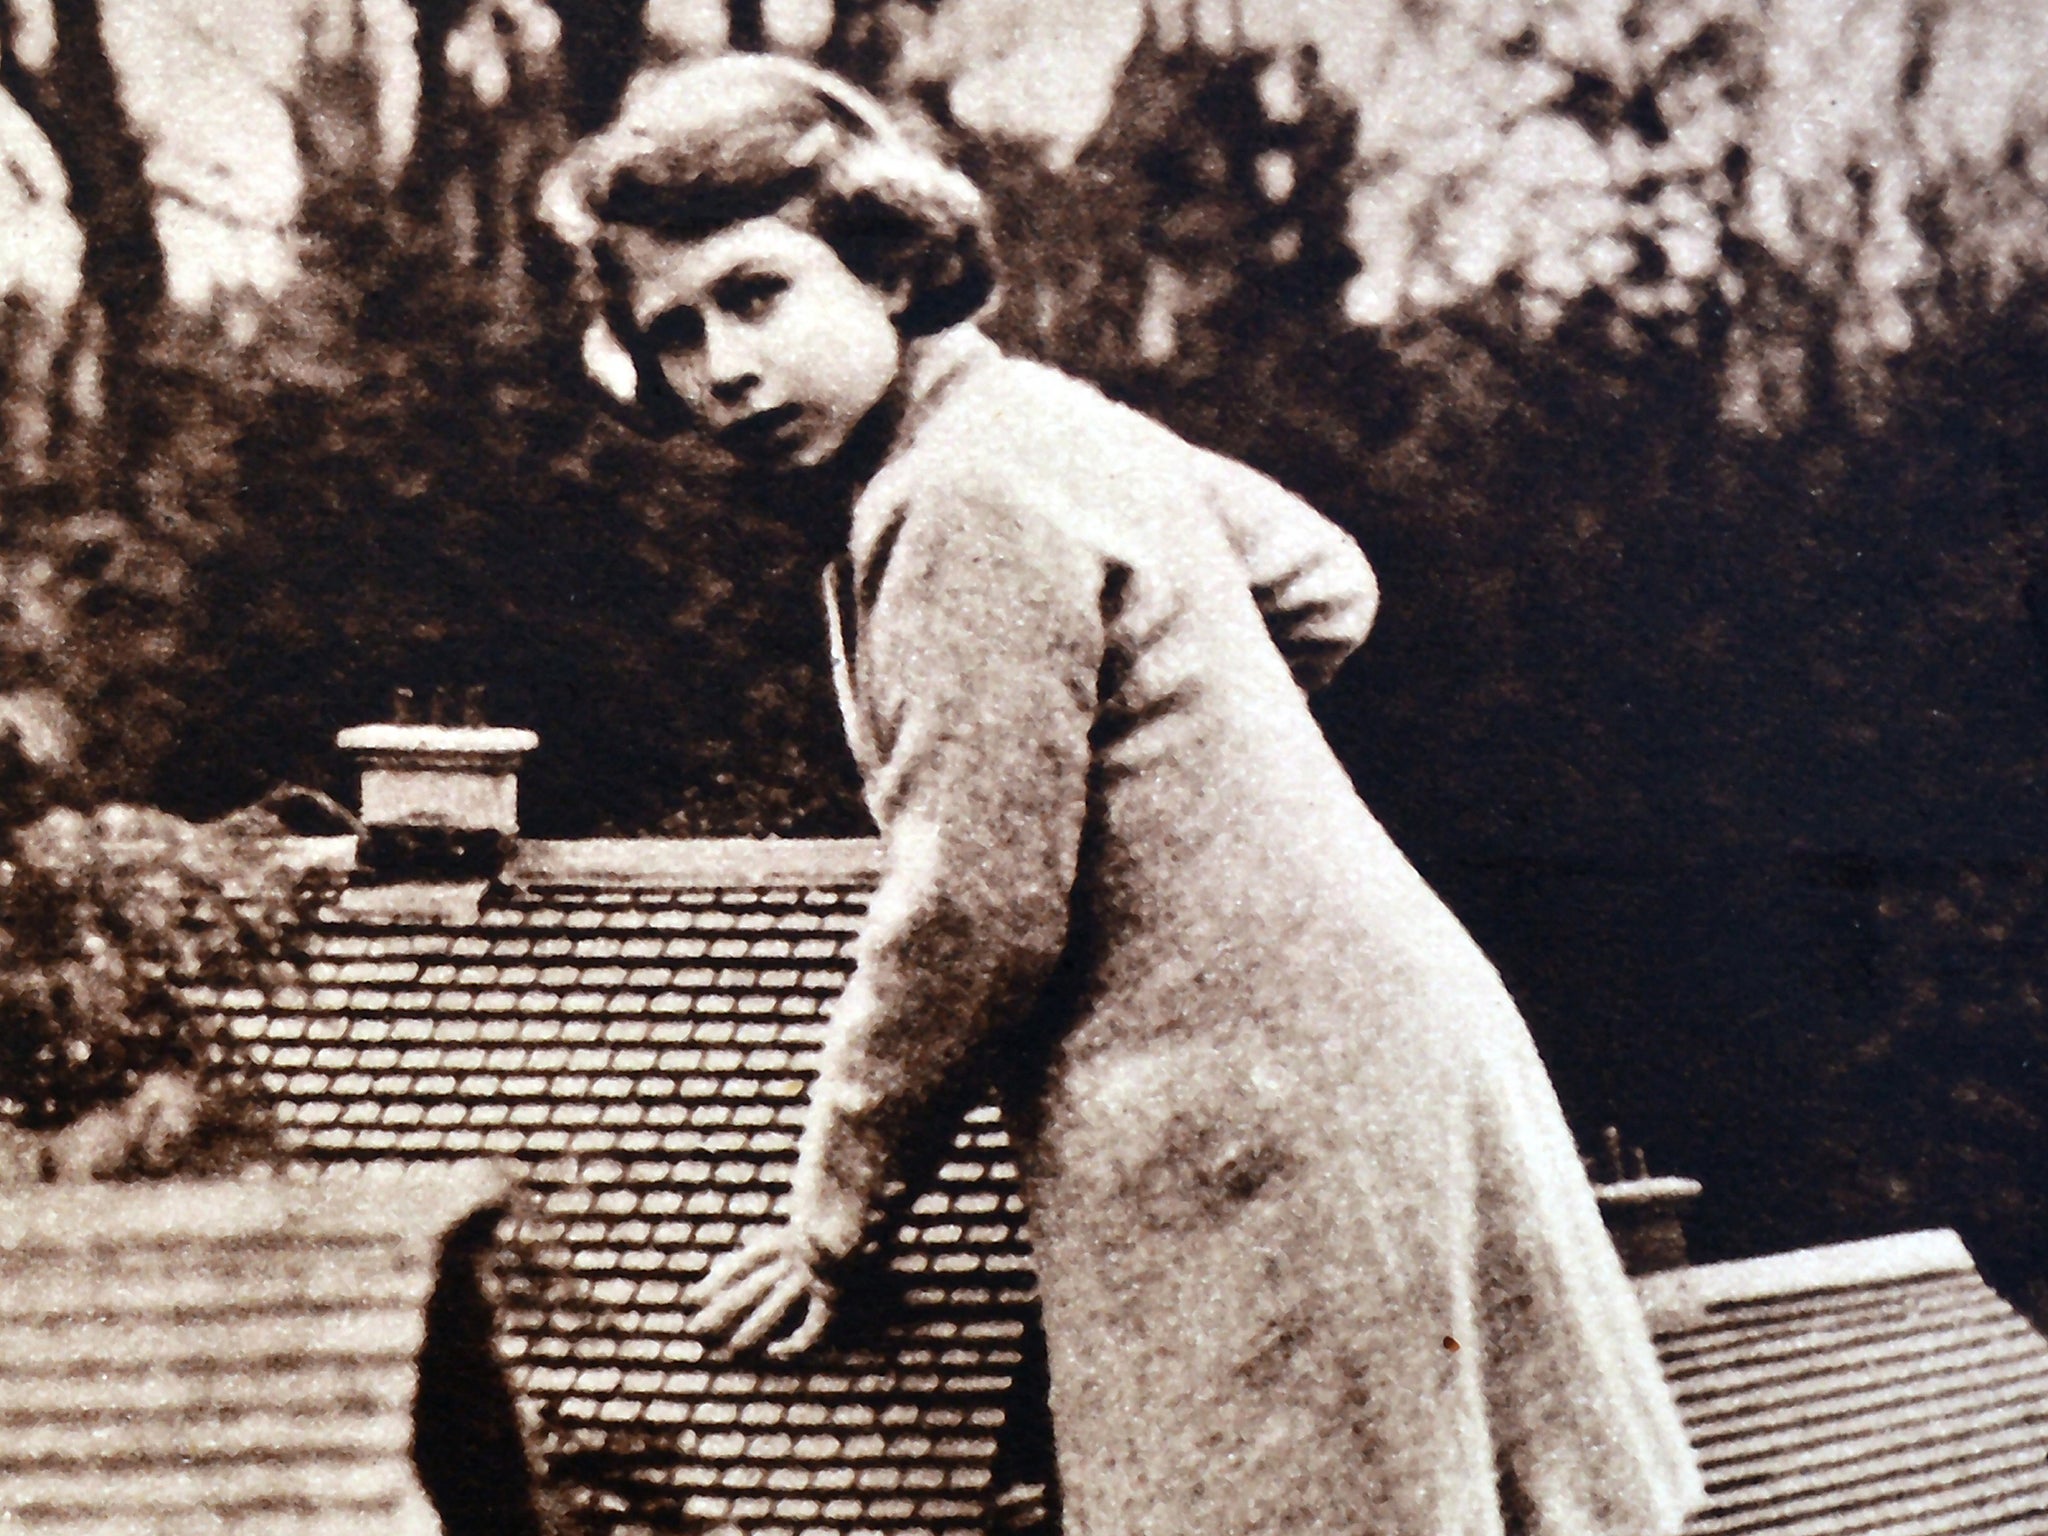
439	802
1645	1214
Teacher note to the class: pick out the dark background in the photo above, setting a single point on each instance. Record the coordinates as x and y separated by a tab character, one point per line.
1709	686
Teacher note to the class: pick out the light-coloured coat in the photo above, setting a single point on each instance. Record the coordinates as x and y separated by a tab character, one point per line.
1315	1247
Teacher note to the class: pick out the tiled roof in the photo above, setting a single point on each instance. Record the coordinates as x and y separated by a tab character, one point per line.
228	1356
1866	1388
638	1021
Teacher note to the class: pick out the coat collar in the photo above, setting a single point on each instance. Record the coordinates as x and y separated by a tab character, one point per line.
933	365
934	368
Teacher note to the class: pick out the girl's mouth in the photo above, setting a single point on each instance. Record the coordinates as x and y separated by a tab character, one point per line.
762	434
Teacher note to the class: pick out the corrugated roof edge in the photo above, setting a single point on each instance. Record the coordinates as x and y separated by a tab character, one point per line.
1678	1297
694	861
336	1201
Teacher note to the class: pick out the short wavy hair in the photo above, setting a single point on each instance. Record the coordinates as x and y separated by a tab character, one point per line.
708	143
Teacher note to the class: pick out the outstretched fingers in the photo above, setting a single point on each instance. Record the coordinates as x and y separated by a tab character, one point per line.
732	1266
817	1314
747	1294
785	1293
734	1286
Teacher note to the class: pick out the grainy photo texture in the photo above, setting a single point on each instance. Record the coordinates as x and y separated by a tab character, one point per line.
954	767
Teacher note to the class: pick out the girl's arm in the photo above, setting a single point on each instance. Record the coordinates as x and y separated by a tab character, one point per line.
1312	583
977	668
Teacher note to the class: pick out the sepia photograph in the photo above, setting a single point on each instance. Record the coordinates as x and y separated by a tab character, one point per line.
1024	767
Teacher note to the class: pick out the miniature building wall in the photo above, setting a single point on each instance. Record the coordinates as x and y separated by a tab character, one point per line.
1865	1388
637	1021
221	1355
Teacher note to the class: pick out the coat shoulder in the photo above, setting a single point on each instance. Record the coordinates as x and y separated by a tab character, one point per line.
1020	439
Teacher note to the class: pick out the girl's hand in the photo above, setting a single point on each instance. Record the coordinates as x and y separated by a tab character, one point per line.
749	1291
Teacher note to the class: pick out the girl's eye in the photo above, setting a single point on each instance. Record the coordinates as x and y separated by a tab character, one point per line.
750	295
676	330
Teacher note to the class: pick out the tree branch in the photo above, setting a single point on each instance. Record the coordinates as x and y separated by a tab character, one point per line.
424	178
75	102
102	156
29	90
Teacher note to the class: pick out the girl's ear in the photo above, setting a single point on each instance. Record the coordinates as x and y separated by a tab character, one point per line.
606	360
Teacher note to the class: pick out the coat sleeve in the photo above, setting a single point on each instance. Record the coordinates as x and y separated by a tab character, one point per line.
976	673
1311	580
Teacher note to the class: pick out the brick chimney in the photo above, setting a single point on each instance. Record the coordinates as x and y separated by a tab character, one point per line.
439	802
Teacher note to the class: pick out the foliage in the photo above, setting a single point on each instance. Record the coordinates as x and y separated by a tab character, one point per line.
117	468
1194	257
1948	1063
1668	156
107	922
477	517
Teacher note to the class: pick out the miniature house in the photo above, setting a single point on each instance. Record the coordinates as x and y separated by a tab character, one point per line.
265	1355
1878	1386
640	1032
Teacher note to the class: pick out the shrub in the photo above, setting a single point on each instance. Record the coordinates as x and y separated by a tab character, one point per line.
110	924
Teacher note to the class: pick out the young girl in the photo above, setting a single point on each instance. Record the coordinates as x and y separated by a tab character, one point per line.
1314	1246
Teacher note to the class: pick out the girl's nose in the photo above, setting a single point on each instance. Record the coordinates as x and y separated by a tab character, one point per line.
731	368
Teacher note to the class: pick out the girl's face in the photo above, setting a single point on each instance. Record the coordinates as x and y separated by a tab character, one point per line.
772	345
